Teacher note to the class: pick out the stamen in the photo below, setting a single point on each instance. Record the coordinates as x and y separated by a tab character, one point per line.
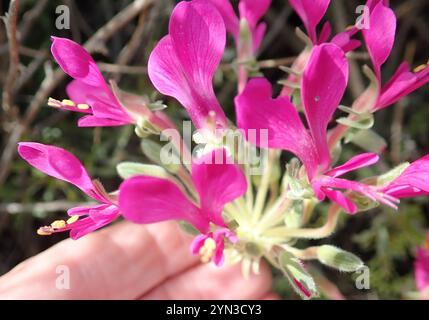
420	67
83	106
58	224
72	219
44	231
54	103
68	103
207	250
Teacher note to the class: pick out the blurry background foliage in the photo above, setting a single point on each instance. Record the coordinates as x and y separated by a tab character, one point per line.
384	239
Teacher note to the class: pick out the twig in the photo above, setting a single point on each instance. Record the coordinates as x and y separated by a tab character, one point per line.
53	206
263	64
23	50
10	20
30	17
50	82
29	71
116	68
128	52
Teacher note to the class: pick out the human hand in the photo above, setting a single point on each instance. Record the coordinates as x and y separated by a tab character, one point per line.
128	261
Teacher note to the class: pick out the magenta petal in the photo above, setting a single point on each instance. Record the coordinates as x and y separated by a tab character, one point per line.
108	108
229	17
414	181
145	199
80	211
98	217
340	199
183	63
257	110
219	257
325	33
253	11
368	191
372	3
357	162
198	36
344	40
57	163
92	121
421	269
401	84
78	91
76	62
82	229
380	37
218	181
197	243
323	85
311	13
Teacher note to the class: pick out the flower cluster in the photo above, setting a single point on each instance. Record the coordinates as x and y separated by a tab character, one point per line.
234	215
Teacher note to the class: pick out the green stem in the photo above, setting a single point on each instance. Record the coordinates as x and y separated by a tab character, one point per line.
263	188
309	233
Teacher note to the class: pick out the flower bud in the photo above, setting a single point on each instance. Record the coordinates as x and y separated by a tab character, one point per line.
338	259
130	169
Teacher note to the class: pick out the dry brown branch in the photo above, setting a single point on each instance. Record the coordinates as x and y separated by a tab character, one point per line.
51	81
116	68
30	17
11	20
128	52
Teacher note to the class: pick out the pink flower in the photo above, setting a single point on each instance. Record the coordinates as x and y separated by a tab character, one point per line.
145	199
88	92
250	10
62	165
379	39
183	63
311	13
413	182
421	268
323	84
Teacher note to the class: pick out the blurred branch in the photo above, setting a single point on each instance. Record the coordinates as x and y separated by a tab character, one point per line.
50	82
396	133
116	68
10	21
30	17
53	206
128	52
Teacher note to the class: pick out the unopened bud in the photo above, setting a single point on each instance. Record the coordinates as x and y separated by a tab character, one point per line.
130	169
338	259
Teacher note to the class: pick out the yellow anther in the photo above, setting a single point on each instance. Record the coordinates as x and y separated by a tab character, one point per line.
44	231
350	27
58	224
420	68
54	103
72	219
207	250
68	103
83	106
